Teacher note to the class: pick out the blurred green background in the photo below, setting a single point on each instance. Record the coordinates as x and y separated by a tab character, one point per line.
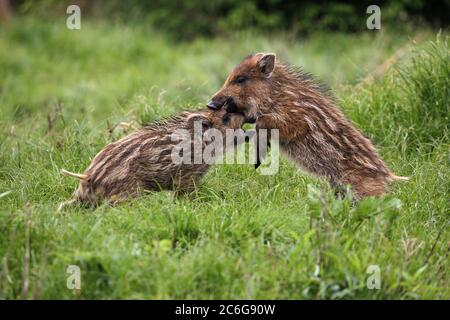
194	18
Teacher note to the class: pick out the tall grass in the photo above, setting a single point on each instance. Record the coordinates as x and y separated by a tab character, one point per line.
415	95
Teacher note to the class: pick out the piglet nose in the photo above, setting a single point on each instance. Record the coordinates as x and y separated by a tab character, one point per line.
213	105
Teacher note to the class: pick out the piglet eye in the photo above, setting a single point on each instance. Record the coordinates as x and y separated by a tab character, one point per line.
241	79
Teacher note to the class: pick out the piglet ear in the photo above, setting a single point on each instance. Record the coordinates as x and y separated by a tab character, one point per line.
201	119
266	64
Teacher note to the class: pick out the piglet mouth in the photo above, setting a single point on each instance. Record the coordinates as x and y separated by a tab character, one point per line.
250	119
231	106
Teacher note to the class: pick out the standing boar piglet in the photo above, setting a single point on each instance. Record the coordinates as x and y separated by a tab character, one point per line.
312	130
144	159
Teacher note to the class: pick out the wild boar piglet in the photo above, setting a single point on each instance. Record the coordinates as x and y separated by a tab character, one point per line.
313	131
147	160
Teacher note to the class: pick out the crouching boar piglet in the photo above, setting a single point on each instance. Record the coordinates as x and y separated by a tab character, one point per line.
144	160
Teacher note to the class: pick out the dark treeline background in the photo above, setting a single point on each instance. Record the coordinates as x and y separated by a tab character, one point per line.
191	18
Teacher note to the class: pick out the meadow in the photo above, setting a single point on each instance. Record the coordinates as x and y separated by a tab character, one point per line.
240	235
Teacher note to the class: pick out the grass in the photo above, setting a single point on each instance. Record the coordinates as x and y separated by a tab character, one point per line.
241	235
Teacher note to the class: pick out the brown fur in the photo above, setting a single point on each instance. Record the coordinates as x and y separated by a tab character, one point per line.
313	131
142	160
